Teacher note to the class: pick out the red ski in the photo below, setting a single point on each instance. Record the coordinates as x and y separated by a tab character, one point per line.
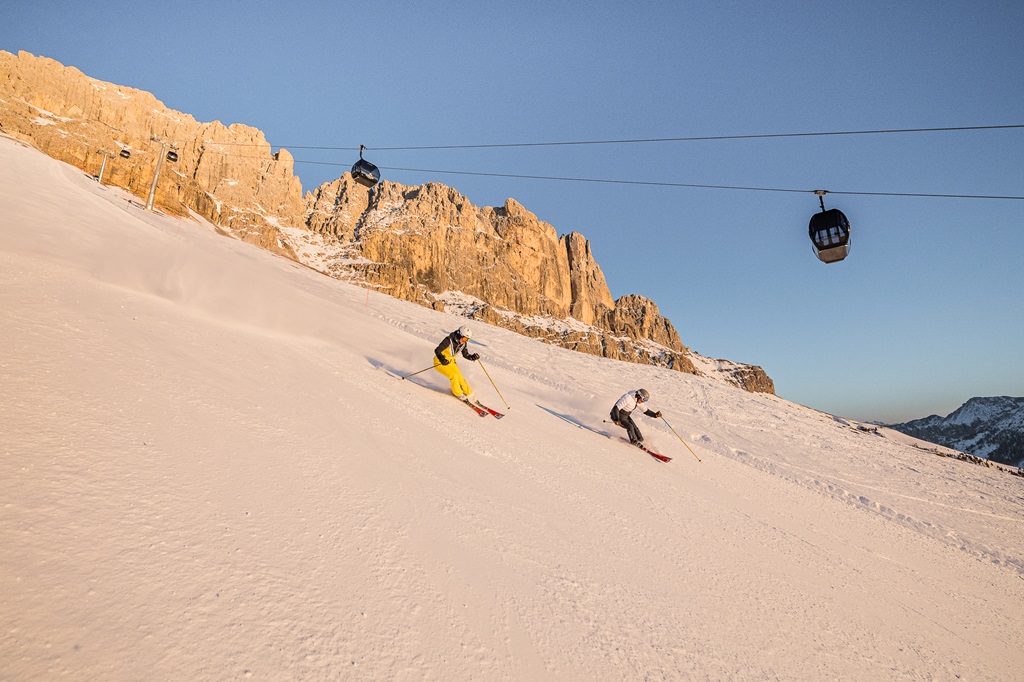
493	413
655	455
652	453
479	410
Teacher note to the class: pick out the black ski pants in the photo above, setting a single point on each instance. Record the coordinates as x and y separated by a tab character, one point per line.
625	420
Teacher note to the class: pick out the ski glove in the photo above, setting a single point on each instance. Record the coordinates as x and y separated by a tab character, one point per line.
443	361
473	356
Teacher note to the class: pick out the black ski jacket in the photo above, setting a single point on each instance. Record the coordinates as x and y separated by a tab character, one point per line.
455	346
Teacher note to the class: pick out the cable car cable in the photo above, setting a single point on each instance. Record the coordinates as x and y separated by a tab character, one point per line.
681	184
653	139
698	139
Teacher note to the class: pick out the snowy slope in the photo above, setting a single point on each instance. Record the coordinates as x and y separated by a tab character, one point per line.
210	472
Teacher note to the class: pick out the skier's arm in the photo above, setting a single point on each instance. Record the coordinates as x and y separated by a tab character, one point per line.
656	415
439	352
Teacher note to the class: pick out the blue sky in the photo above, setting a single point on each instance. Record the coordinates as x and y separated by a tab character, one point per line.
926	311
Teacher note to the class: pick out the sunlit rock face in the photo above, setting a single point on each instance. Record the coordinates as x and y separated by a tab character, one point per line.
426	244
226	174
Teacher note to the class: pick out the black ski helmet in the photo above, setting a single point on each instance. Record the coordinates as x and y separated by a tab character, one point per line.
643	394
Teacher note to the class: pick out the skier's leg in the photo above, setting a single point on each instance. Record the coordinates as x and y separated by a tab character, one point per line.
454	376
635	437
625	421
461	387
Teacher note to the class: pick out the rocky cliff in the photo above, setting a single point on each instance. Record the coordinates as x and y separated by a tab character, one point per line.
227	174
426	244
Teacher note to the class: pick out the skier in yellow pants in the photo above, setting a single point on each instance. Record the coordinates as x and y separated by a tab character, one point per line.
444	362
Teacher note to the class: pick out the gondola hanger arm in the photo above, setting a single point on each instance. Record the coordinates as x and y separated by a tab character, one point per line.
821	197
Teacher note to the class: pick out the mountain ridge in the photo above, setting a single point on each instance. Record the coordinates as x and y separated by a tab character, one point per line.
427	244
990	427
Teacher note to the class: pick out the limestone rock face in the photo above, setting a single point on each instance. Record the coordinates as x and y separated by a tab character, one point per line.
752	378
227	174
637	317
430	239
420	243
591	299
426	244
334	209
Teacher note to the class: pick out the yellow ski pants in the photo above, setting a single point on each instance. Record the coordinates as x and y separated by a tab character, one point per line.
451	371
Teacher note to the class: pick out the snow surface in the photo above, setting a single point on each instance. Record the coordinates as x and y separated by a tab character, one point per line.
210	472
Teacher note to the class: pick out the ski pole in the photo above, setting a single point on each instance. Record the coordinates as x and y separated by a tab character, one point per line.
415	373
681	439
495	385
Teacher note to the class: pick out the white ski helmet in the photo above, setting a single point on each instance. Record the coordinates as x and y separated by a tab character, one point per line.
464	331
643	394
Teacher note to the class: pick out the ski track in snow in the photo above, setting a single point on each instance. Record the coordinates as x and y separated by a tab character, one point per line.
790	472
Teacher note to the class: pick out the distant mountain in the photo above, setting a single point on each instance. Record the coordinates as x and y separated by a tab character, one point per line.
984	427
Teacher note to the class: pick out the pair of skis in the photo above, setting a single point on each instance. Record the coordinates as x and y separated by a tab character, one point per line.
478	407
652	453
482	409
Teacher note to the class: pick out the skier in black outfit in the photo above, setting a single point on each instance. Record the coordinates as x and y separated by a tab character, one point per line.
621	413
453	345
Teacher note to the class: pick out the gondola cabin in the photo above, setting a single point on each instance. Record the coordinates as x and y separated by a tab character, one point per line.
364	172
125	154
830	233
172	155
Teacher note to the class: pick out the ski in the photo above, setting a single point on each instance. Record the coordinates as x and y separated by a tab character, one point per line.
652	453
479	410
493	413
655	455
